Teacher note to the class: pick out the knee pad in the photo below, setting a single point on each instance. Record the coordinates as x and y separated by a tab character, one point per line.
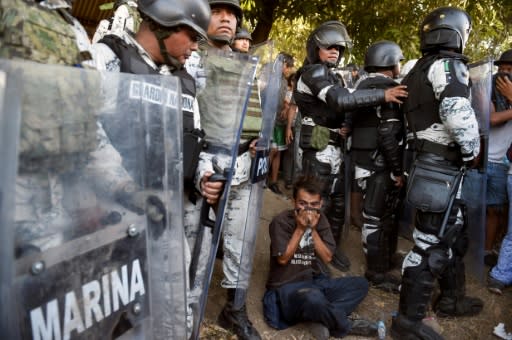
376	195
438	260
313	167
428	222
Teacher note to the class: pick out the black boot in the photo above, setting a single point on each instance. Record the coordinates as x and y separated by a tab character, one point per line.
363	327
336	216
453	300
236	319
388	281
407	329
417	286
378	255
339	260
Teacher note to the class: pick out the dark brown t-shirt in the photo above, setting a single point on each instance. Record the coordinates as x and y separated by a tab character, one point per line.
303	264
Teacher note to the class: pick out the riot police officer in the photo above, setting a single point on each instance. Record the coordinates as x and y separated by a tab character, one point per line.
323	102
226	18
443	131
242	41
377	140
168	34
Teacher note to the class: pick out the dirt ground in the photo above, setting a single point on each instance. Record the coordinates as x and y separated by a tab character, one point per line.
377	305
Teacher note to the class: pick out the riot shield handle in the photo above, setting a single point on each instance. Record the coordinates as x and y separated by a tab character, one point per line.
220	175
484	152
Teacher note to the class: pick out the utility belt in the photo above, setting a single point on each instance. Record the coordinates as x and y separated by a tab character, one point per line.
449	152
318	137
241	171
243	147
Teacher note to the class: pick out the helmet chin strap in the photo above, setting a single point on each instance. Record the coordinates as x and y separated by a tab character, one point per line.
221	39
169	60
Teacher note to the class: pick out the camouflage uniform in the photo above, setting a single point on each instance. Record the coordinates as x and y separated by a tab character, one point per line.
107	60
126	18
38	32
237	208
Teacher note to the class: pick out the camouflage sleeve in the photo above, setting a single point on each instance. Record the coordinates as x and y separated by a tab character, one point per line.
101	31
205	164
459	119
105	169
450	81
105	59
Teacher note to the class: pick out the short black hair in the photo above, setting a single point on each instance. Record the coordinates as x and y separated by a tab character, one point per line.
291	79
287	59
309	184
352	67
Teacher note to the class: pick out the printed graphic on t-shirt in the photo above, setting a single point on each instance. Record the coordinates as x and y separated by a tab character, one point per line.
305	253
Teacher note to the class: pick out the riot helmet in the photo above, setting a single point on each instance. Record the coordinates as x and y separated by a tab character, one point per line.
242	40
216	32
235	4
171	13
445	28
382	54
330	33
242	33
505	58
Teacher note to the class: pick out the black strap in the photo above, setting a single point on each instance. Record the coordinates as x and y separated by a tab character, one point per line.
449	152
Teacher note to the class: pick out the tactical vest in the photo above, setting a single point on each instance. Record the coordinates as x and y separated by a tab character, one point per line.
132	62
310	106
422	109
58	139
365	120
31	32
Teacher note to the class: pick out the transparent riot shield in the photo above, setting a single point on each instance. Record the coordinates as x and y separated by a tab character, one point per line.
269	77
474	186
10	101
92	246
224	90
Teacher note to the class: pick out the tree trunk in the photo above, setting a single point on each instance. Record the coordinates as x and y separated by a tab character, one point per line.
265	20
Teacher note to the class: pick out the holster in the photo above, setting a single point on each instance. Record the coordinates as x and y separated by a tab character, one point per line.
431	185
317	137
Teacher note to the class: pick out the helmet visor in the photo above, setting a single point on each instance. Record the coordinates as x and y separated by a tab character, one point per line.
334	34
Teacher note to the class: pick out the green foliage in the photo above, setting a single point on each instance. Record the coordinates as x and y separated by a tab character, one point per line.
368	21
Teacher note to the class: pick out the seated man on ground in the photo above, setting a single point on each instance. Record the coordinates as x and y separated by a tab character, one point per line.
296	290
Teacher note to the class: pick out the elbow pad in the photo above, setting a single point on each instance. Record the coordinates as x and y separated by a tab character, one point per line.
317	78
341	100
389	137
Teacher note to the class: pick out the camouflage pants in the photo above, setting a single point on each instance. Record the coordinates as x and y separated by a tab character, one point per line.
236	239
191	218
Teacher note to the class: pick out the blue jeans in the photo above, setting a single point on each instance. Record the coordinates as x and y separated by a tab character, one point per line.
503	270
324	300
495	184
